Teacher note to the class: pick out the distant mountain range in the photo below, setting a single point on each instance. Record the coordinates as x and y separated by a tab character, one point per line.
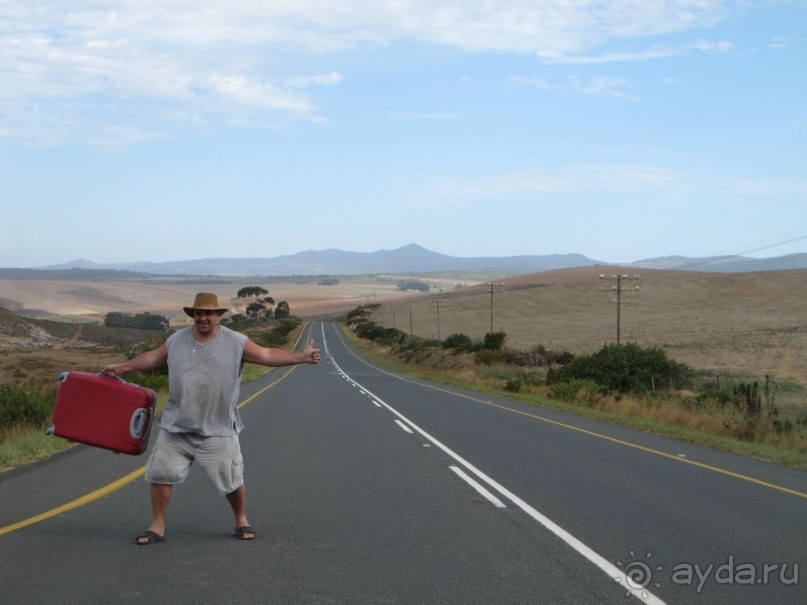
411	259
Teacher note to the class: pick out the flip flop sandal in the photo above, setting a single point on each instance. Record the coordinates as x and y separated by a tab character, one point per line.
241	533
148	537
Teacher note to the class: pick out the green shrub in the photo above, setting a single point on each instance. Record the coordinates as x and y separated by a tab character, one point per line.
534	378
156	380
357	312
504	356
279	334
380	334
25	406
747	399
576	391
410	344
459	342
494	340
513	385
625	369
715	396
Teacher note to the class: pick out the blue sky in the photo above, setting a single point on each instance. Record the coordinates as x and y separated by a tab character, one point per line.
624	130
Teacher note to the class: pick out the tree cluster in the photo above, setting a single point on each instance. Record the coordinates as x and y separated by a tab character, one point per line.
258	304
413	284
140	321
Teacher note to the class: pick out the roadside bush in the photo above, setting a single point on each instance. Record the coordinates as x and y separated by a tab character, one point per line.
715	396
279	334
25	406
554	357
494	340
576	391
156	380
513	385
625	369
358	312
380	334
412	349
490	357
748	400
460	343
534	379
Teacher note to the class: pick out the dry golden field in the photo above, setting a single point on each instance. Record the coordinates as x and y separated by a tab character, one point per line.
738	327
92	300
744	324
38	358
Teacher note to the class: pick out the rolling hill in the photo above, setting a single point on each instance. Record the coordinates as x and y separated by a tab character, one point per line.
411	259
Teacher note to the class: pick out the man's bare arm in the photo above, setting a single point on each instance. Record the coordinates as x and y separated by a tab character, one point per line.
267	356
150	360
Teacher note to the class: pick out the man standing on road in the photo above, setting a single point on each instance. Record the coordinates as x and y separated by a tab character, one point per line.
201	421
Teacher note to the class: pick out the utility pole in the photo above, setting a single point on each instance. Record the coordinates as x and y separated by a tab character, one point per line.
410	320
618	289
491	289
437	302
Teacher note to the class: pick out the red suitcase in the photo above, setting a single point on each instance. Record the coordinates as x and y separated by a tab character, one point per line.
105	412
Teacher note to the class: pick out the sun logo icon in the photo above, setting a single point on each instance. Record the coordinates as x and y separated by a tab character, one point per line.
638	574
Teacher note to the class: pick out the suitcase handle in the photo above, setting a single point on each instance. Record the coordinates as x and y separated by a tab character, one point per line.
139	423
64	375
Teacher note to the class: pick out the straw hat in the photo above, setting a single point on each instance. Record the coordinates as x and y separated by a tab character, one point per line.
205	301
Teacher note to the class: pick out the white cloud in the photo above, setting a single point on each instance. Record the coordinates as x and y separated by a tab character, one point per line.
780	42
561	181
424	117
539	83
721	46
649	54
626	179
598	86
211	59
602	86
330	79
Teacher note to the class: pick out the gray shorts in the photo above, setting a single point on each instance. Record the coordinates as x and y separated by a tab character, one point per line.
174	453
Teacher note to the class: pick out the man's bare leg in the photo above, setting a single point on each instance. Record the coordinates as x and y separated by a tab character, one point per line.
238	502
160	499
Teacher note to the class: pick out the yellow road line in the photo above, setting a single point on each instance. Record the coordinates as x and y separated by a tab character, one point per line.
92	496
115	485
586	431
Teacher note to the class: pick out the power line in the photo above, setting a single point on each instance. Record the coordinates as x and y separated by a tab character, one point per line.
491	289
437	302
738	254
618	289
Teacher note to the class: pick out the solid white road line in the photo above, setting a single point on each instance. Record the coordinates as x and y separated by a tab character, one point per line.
603	564
404	427
470	481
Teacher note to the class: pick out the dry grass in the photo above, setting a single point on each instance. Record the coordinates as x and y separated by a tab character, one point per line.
675	414
34	367
733	326
21	445
91	301
746	325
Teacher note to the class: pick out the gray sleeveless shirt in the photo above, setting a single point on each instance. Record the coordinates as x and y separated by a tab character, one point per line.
204	381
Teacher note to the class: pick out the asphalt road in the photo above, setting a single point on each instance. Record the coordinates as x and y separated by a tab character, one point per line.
366	486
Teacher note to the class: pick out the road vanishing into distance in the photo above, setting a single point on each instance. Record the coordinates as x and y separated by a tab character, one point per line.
368	486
